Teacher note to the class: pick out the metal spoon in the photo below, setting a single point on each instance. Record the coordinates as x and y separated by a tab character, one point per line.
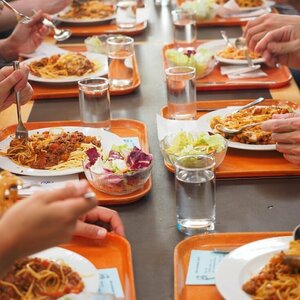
256	101
21	18
229	131
59	34
240	43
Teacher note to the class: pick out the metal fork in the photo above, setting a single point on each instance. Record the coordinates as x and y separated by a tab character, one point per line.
59	34
21	18
240	43
21	131
226	39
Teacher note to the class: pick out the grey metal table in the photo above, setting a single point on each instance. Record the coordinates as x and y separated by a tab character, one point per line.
264	204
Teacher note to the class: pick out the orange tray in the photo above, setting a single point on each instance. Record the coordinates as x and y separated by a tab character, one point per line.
97	29
121	127
113	252
208	242
277	77
245	163
52	91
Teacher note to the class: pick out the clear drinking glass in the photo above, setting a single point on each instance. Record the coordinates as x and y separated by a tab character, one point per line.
162	2
94	102
184	27
181	92
195	188
126	14
120	61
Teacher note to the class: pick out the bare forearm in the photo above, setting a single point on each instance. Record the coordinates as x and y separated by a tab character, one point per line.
8	50
8	19
7	253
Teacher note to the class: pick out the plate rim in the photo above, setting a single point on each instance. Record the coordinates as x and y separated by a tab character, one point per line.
90	55
87	262
238	265
266	4
16	169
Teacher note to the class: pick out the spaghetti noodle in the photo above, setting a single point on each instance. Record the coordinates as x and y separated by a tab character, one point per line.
8	190
234	53
250	135
39	279
63	65
92	9
244	3
276	281
50	150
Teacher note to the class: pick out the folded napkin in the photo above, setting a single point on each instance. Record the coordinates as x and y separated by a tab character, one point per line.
34	184
44	49
242	71
232	10
249	14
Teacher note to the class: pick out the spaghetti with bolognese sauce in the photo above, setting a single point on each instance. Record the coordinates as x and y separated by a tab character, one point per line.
50	150
277	280
39	279
92	9
63	65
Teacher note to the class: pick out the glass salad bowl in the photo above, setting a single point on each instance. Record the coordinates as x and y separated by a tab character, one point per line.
120	178
203	60
202	9
186	143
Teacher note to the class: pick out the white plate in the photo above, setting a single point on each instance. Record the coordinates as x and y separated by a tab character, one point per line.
99	58
79	20
243	263
78	263
204	122
218	45
107	140
266	4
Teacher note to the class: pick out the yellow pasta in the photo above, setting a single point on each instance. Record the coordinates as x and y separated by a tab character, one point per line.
276	281
234	53
244	3
8	190
39	279
65	65
252	135
51	151
93	9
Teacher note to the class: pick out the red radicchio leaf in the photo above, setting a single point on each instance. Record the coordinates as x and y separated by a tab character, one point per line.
93	155
137	159
114	155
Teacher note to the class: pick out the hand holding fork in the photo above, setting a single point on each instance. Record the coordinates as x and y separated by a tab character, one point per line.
59	34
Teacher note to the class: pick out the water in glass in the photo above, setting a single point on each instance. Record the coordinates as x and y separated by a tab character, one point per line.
120	68
185	31
195	201
94	106
126	14
181	93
